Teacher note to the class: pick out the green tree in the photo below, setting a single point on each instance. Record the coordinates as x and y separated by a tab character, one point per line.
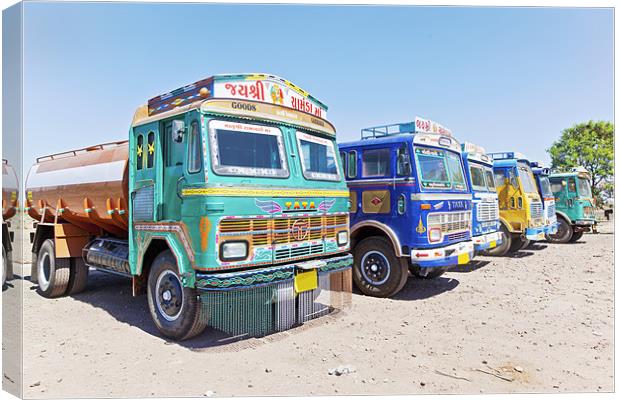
590	145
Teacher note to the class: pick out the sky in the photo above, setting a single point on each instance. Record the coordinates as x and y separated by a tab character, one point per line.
504	78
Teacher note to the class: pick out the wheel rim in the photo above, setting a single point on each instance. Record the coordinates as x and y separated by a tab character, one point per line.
375	268
562	231
45	266
169	295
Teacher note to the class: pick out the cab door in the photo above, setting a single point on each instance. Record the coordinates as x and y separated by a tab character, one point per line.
144	161
173	140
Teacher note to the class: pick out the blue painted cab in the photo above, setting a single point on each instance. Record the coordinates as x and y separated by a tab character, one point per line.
410	204
541	174
486	232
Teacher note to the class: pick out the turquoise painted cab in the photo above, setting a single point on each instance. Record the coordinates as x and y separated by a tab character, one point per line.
237	198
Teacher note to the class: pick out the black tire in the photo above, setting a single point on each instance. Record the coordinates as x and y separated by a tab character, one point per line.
383	274
564	233
502	249
526	243
52	273
433	273
33	269
576	236
516	243
78	278
5	266
177	311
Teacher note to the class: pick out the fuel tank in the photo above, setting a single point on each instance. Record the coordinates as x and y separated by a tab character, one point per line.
10	191
85	187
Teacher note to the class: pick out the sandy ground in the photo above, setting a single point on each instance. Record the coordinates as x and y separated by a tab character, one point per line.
541	321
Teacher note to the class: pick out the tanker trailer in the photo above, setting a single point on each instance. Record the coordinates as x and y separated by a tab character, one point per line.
10	195
75	196
226	206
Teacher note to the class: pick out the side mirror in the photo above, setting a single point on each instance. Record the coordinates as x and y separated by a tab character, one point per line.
178	130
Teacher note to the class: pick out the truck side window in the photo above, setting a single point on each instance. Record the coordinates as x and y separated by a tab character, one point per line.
194	160
376	163
150	151
403	166
572	187
352	165
499	178
140	152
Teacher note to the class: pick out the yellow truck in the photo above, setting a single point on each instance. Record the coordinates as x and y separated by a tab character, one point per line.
520	206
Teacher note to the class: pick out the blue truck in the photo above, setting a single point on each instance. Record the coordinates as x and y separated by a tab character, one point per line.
548	199
410	204
486	232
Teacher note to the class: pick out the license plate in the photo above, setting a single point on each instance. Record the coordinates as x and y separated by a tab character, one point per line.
463	258
307	280
492	244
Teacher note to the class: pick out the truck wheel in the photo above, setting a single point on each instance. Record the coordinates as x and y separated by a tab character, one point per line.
516	243
376	270
564	233
433	273
177	311
5	266
526	244
502	249
52	273
576	236
33	269
78	276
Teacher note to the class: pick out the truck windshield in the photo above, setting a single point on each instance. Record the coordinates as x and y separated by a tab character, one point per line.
583	188
545	187
439	169
527	177
318	157
247	150
481	178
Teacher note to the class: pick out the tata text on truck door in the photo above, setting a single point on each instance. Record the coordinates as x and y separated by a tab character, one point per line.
410	204
485	208
520	207
541	175
574	205
227	205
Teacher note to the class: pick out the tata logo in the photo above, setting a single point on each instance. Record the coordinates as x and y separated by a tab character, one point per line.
457	205
300	229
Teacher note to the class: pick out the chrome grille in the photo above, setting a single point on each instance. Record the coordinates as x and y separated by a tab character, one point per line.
487	211
298	251
536	210
588	212
450	222
284	230
459	236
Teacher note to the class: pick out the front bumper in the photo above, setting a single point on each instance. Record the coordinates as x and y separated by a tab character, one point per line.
535	233
455	254
248	279
551	229
585	222
488	241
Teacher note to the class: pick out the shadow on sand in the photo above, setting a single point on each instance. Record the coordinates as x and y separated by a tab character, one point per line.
420	289
112	294
470	267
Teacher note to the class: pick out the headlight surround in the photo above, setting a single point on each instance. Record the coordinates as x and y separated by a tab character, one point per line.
234	250
342	238
434	235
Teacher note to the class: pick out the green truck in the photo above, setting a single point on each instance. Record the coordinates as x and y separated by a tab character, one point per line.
574	205
227	206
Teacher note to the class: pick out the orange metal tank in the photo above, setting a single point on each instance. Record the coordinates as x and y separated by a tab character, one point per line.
10	191
85	187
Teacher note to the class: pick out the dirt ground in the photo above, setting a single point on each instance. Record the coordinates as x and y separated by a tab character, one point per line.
541	321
